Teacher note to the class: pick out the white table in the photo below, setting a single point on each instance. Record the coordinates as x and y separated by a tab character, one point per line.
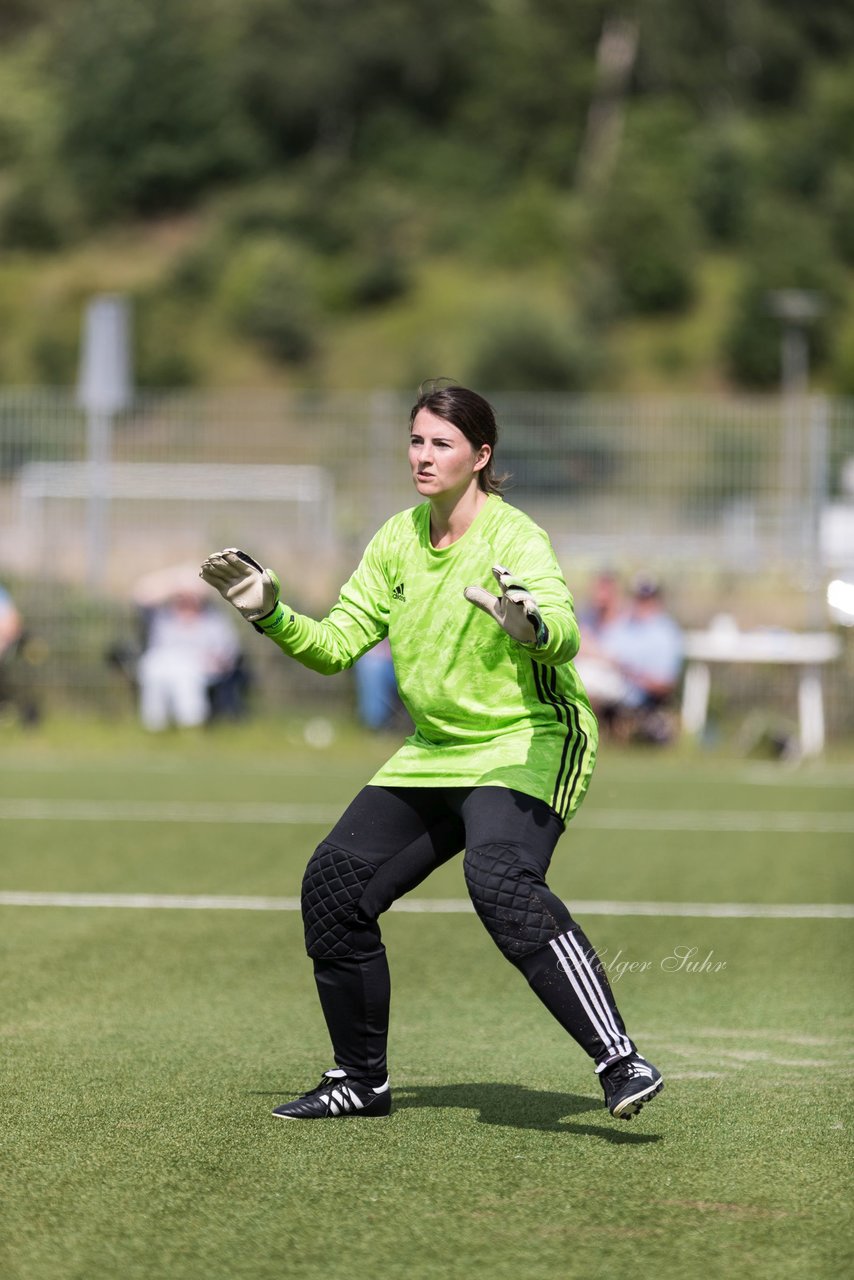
808	651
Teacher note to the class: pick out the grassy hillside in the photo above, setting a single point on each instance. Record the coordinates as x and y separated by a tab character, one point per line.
530	197
436	326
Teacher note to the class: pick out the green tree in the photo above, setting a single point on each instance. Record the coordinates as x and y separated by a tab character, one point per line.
269	296
643	225
788	249
528	350
311	72
149	113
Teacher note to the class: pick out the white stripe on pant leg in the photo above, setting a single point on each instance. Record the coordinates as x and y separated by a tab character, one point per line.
587	975
587	972
595	1018
592	1013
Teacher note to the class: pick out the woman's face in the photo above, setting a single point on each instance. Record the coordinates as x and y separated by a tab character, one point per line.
442	459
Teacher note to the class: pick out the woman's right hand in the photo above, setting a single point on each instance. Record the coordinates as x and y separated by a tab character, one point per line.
243	582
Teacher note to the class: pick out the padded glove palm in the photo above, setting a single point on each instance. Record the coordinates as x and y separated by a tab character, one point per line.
515	609
244	583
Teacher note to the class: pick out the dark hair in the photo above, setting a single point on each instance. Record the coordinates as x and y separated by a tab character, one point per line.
469	413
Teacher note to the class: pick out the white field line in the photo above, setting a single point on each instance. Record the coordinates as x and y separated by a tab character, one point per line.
431	906
717	1056
240	812
721	910
732	1064
784	822
247	813
788	775
703	1053
767	1034
248	767
795	775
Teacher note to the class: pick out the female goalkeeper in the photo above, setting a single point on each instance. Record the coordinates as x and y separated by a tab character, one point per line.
501	756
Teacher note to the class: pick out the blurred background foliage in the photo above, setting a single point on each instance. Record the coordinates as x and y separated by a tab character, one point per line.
528	194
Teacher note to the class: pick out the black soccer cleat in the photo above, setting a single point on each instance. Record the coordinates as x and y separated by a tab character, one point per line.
337	1095
628	1084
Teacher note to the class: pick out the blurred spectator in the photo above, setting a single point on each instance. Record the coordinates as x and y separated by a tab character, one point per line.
631	668
186	665
377	701
15	696
605	605
191	646
11	625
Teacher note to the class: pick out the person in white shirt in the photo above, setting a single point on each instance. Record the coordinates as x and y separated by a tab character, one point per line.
189	645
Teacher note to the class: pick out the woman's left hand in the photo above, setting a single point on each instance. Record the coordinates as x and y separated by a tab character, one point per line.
515	610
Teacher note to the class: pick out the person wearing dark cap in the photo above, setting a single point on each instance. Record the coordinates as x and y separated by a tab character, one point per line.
644	650
605	604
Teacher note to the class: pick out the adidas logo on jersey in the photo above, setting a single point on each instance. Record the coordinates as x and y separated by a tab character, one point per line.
399	593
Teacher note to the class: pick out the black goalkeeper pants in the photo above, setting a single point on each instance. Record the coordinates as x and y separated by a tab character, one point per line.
387	842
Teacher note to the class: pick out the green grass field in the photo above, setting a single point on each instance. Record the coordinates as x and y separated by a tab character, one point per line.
144	1048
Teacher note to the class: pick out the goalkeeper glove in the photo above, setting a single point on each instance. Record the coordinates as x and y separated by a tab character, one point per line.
243	582
515	609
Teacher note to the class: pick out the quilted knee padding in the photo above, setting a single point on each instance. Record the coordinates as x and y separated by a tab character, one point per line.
333	884
520	913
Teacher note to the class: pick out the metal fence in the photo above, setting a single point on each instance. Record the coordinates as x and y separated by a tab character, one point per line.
741	504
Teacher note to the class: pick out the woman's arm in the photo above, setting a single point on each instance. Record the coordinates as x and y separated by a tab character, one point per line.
534	568
356	622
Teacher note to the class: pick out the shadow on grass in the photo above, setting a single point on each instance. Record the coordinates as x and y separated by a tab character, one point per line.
514	1106
511	1106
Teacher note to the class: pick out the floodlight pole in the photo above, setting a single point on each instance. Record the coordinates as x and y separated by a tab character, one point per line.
804	443
385	424
99	449
794	376
104	388
818	482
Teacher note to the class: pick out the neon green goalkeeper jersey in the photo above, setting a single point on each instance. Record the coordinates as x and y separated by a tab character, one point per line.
487	710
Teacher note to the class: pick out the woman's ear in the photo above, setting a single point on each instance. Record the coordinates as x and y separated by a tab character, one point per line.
482	457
